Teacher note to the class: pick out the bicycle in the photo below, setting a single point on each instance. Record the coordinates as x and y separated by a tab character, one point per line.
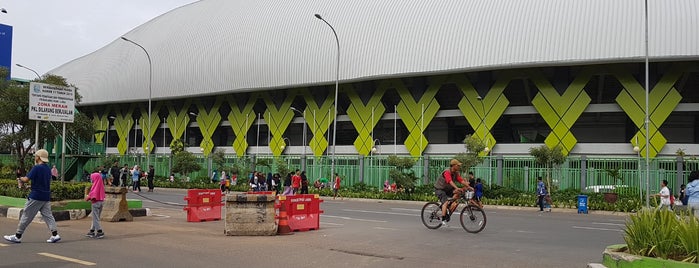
472	217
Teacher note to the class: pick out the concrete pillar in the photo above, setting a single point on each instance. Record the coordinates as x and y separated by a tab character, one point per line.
114	207
680	174
361	168
426	170
498	162
583	172
526	179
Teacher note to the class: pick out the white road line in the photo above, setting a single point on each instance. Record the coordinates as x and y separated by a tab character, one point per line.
606	223
160	215
382	212
348	218
67	259
407	209
384	228
594	228
331	223
4	245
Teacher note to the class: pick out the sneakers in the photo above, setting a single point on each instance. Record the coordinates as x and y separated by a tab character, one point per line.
444	224
446	218
92	234
54	239
13	238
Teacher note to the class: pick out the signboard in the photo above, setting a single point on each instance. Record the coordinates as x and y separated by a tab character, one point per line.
51	103
6	48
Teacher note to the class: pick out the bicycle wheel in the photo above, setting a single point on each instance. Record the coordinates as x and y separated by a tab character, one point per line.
431	213
472	219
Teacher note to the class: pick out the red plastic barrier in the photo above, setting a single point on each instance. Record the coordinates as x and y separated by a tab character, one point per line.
303	211
203	205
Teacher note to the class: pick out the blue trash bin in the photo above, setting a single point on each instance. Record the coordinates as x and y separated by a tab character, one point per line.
582	204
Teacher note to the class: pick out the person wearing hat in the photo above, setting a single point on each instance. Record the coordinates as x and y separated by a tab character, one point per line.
39	199
444	186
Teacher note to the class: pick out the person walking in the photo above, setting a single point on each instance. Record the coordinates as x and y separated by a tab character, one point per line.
693	193
136	179
287	184
123	176
39	199
540	193
54	173
115	176
664	195
19	173
304	183
96	197
336	186
296	182
151	176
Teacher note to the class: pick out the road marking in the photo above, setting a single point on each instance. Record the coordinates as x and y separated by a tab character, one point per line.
380	212
407	209
162	216
67	259
332	223
385	228
525	232
4	245
594	228
606	223
348	218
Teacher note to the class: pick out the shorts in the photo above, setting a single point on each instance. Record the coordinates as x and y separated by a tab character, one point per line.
443	195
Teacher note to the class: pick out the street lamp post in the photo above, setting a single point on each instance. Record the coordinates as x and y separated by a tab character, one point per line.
647	120
303	155
150	95
25	67
288	143
337	82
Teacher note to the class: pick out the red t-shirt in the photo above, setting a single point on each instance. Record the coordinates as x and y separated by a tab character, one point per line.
449	179
337	182
295	181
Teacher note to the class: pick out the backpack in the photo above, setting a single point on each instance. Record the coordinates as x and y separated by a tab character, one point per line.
672	200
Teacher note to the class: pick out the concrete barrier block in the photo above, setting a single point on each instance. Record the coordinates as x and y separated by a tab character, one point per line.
250	215
115	208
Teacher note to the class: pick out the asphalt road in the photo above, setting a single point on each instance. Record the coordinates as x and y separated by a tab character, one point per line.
353	233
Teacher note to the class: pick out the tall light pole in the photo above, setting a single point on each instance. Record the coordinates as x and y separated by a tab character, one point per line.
337	82
647	120
150	94
25	67
303	156
36	133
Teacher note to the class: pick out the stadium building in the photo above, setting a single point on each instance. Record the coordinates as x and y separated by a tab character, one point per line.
415	77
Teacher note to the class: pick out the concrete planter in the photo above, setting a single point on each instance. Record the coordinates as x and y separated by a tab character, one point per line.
613	257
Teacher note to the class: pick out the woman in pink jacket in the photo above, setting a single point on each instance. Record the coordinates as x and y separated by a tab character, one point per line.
96	196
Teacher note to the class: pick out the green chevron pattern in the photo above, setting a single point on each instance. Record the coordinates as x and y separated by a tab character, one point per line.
123	123
561	111
100	123
411	113
241	121
318	118
148	130
208	121
663	99
361	116
278	120
482	114
177	121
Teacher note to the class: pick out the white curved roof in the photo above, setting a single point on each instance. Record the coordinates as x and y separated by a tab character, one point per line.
222	46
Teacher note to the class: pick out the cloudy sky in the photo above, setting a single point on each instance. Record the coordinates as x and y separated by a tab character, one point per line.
49	33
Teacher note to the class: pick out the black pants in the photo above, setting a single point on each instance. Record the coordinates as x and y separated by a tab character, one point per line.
137	185
540	202
304	189
150	184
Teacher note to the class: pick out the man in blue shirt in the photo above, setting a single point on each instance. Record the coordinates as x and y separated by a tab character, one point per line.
39	199
541	193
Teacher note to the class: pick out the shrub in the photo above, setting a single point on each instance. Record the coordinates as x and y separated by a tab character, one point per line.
663	234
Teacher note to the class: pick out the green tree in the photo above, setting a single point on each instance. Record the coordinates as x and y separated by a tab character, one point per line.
219	159
176	146
549	158
16	128
471	158
184	163
282	166
402	174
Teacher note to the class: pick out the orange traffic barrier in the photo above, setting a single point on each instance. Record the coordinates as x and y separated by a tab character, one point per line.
283	228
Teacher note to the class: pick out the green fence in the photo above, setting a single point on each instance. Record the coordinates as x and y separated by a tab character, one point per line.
519	172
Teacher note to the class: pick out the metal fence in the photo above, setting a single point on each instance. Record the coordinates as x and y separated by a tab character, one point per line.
519	172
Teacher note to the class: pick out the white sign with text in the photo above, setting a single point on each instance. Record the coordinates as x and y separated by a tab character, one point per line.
51	103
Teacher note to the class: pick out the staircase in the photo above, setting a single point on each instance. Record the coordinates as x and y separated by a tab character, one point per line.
77	154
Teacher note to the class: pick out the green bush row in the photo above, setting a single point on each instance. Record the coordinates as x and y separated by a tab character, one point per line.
59	191
663	234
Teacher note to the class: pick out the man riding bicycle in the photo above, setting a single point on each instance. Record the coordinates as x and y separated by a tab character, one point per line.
445	187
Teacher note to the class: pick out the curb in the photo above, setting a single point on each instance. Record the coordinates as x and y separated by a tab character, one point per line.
63	215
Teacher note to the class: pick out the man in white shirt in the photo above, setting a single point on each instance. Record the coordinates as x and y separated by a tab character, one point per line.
664	195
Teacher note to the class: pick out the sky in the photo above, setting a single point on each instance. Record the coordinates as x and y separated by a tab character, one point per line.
49	33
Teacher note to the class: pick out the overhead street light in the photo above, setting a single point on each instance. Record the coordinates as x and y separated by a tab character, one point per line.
150	93
337	81
22	66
